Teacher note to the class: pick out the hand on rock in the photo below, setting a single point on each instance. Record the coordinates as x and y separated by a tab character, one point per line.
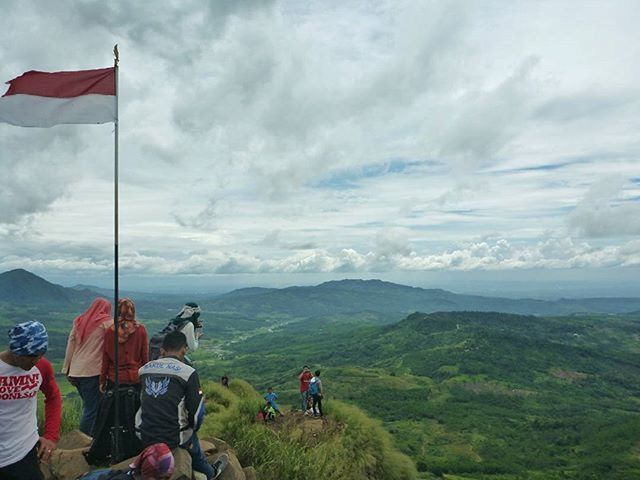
45	449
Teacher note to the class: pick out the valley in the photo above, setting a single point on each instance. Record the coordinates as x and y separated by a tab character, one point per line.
465	394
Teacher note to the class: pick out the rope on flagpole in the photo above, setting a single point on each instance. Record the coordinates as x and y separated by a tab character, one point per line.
116	233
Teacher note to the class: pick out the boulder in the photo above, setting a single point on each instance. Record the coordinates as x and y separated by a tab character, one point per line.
183	465
208	448
250	473
68	464
123	465
46	472
220	445
234	469
74	439
213	447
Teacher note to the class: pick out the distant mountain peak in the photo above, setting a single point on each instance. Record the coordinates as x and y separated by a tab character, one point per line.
377	283
24	287
20	272
361	282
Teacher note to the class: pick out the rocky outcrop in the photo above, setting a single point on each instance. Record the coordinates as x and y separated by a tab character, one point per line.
68	462
250	473
213	448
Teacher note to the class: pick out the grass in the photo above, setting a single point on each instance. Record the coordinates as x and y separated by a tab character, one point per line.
71	413
359	450
347	445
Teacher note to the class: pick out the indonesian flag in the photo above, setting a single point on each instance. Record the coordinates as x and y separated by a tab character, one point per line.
45	99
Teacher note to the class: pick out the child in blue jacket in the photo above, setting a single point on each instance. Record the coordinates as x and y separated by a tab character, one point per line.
271	397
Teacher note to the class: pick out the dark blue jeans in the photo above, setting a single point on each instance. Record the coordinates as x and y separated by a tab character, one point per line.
88	388
198	460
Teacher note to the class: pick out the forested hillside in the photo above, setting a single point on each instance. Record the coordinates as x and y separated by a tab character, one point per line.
483	395
473	394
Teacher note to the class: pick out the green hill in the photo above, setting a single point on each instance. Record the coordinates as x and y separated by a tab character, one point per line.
479	395
23	287
344	445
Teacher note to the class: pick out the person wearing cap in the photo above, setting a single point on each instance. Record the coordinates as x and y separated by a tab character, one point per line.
156	462
23	372
172	405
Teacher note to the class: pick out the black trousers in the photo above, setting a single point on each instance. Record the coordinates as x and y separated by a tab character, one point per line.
26	469
317	402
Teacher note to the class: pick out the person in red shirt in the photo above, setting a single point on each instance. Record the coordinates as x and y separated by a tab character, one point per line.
133	353
304	377
52	410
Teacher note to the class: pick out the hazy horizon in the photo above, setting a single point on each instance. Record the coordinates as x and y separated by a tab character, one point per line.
537	284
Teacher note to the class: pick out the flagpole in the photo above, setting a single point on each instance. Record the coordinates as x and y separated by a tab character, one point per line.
116	234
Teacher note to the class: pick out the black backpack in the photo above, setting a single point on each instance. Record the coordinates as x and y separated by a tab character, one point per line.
155	344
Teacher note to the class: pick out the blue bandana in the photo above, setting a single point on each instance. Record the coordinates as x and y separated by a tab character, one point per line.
28	338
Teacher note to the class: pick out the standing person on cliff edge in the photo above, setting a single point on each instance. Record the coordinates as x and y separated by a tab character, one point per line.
316	392
304	377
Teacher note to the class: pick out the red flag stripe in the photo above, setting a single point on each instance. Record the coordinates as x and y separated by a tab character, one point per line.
101	81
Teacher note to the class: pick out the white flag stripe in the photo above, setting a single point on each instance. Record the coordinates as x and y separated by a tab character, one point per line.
36	111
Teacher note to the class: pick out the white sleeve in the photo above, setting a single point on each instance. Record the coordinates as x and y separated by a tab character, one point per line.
190	333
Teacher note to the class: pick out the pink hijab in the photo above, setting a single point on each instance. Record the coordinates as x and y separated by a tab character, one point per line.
98	313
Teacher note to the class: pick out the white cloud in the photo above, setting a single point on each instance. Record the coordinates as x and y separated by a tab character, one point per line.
547	253
275	136
603	211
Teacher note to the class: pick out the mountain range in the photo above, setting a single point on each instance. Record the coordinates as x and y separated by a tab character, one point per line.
329	298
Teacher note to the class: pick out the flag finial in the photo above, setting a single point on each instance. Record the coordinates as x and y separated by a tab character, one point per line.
116	54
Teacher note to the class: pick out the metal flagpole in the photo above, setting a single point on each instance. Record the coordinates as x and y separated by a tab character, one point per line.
116	234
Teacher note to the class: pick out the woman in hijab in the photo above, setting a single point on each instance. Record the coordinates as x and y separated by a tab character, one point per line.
133	353
83	360
133	348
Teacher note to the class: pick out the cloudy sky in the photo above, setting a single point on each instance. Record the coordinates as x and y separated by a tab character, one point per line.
453	144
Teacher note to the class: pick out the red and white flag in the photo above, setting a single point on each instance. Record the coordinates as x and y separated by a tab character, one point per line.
44	99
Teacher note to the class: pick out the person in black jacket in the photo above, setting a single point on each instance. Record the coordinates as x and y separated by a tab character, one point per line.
172	404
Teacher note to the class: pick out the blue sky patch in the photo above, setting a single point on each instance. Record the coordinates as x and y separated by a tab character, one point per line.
349	178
